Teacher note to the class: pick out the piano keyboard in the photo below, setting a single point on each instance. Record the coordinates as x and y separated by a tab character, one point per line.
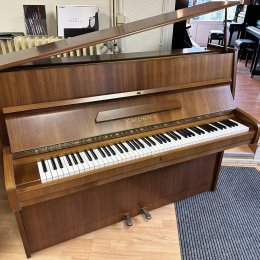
87	160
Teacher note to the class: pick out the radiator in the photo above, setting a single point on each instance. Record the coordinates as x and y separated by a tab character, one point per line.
25	42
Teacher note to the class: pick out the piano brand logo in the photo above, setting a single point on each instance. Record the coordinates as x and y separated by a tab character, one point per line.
140	119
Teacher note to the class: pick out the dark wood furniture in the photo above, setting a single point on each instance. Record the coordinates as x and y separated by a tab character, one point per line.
57	108
243	19
256	33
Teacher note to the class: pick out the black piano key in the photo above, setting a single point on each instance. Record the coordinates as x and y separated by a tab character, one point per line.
196	130
225	123
186	132
205	128
166	137
93	154
212	127
181	133
135	144
219	126
131	145
161	138
147	142
119	148
157	139
74	158
190	132
199	129
68	160
59	162
139	143
232	122
171	135
151	140
44	166
224	127
106	151
79	157
176	135
53	164
124	147
88	155
111	149
101	152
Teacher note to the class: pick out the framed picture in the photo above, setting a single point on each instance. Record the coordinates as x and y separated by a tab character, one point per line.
35	20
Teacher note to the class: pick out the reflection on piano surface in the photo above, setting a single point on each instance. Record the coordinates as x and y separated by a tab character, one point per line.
87	142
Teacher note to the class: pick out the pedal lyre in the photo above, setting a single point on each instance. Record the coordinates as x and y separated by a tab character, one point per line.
128	220
146	214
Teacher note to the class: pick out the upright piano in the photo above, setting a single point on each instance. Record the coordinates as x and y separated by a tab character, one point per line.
88	143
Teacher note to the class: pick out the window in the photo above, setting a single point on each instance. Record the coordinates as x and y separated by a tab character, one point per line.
214	16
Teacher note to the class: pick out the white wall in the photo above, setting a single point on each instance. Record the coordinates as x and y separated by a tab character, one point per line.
200	30
12	18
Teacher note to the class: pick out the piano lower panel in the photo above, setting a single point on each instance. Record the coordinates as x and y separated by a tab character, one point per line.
57	220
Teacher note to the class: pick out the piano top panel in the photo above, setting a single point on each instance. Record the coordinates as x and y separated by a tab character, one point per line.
91	59
18	58
61	125
63	83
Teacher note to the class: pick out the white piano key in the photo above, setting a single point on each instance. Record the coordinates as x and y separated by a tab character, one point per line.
59	170
41	171
145	150
64	169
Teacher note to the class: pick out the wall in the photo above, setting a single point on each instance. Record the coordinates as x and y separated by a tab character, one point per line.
12	20
200	30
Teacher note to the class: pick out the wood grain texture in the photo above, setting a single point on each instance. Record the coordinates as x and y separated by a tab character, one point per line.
144	240
43	51
35	192
61	122
10	181
244	116
90	80
151	240
126	112
104	205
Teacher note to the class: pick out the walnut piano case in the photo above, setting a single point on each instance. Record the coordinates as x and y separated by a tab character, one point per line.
50	111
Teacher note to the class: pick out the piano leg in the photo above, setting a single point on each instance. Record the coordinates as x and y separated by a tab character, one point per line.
218	165
22	233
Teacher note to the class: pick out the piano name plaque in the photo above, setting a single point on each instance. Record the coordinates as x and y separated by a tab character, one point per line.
140	118
125	112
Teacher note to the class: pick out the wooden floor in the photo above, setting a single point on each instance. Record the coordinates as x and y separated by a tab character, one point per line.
155	239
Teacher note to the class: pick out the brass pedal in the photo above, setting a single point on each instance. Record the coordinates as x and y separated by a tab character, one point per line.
146	213
128	220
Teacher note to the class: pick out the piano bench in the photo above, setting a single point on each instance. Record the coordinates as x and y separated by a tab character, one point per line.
216	35
245	47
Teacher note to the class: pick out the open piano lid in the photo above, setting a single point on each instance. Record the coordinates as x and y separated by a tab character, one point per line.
44	51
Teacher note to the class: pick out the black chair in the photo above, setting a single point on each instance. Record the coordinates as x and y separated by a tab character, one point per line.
216	35
246	48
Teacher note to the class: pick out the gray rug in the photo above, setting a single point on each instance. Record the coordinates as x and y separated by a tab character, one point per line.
225	224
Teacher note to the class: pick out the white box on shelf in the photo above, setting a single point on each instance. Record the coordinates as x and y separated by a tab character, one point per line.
76	17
